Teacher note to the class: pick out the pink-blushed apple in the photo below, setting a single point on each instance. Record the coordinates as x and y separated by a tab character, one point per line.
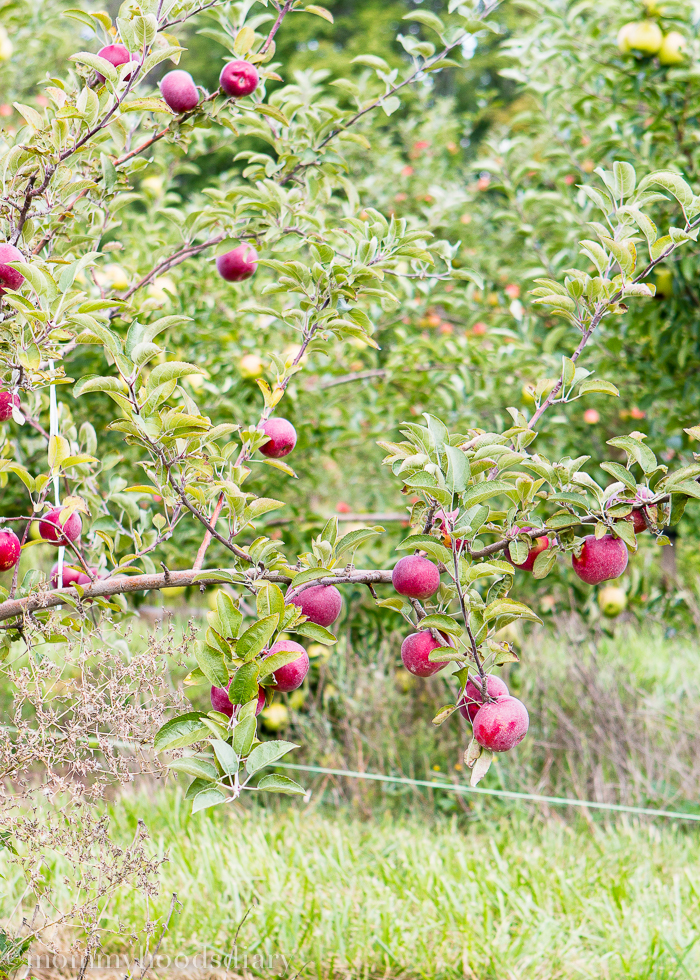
50	523
291	676
416	577
239	78
71	576
282	438
238	264
472	699
9	277
541	544
320	603
501	724
115	54
220	700
10	549
601	559
179	91
8	401
414	653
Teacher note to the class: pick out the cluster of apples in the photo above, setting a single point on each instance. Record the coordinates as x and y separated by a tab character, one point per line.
646	38
321	604
52	530
501	722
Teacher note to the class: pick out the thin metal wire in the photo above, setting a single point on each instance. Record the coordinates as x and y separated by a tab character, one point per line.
506	794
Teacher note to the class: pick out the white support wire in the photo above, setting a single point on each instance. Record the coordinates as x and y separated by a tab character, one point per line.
53	431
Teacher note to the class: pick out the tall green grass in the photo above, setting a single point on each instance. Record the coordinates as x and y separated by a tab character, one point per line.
501	896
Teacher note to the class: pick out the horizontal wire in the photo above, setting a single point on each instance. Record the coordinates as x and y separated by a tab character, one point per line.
504	793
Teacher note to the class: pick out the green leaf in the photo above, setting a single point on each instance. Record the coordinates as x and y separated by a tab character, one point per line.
195	767
509	607
207	798
281	784
243	735
230	616
170	371
269	600
353	539
444	713
256	637
320	12
147	104
268	752
211	663
484	491
228	760
620	473
636	450
598	385
98	64
457	469
437	621
181	731
276	661
427	18
93	382
244	686
315	632
544	563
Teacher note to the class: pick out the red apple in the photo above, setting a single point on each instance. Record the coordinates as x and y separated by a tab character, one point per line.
8	400
239	78
414	653
541	544
50	523
472	699
10	549
291	676
501	724
415	577
601	559
283	438
115	54
220	700
8	276
637	516
321	603
71	576
238	264
179	91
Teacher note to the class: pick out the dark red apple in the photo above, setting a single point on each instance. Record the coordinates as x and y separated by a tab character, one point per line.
637	516
541	544
416	577
50	523
115	54
283	438
8	400
8	276
179	91
414	653
238	264
239	78
501	724
601	559
10	549
472	699
321	603
291	676
220	700
71	576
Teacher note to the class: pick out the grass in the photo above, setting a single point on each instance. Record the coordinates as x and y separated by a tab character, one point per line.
496	896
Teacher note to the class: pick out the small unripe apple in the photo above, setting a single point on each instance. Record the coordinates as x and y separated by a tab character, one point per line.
10	549
8	276
238	264
179	91
501	724
612	600
8	400
664	283
239	78
601	559
71	576
220	700
115	54
414	653
291	676
320	603
283	438
672	50
275	717
624	35
416	577
541	544
49	527
6	47
157	289
645	37
250	366
472	699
